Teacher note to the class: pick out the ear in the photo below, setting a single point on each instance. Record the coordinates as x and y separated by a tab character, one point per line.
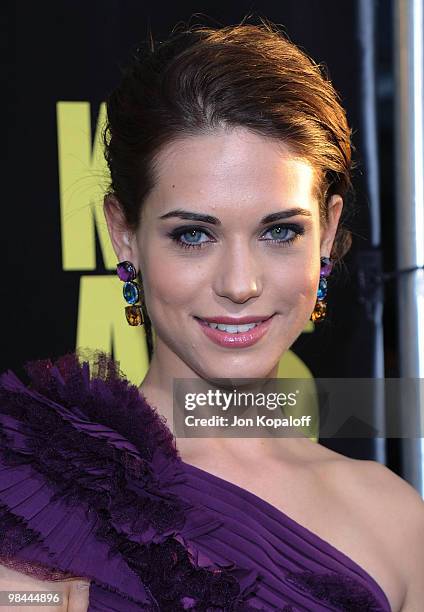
123	239
328	231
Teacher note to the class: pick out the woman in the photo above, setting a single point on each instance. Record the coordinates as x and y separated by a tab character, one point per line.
230	160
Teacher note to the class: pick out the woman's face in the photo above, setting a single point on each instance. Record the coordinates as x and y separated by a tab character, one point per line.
231	264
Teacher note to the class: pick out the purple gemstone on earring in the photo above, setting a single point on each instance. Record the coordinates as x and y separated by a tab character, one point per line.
126	271
326	266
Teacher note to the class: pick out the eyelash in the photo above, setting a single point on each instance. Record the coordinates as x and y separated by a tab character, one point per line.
176	234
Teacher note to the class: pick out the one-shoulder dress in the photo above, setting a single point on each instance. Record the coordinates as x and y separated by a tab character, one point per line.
92	485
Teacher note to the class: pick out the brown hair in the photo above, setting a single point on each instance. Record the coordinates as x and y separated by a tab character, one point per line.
204	78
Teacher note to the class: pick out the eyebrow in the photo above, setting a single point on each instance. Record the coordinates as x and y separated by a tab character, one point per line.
276	216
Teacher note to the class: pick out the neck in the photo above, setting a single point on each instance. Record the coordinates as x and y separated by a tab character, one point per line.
158	389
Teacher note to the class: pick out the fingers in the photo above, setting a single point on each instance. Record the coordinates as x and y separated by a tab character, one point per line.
78	597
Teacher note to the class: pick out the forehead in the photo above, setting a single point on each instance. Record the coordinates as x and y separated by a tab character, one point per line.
231	167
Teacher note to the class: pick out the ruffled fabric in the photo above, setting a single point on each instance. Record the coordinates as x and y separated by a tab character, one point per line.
85	464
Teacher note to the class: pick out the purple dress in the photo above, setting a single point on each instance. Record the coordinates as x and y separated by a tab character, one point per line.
92	485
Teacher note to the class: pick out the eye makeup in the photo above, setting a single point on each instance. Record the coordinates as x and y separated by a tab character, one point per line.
177	234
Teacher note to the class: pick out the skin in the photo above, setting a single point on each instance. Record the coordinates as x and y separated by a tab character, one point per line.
74	592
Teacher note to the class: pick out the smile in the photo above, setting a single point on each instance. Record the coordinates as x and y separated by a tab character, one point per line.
235	336
233	329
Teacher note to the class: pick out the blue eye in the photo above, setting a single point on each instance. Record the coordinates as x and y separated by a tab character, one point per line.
281	230
189	237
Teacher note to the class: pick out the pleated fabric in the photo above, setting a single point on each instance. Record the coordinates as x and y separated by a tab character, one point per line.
92	486
301	570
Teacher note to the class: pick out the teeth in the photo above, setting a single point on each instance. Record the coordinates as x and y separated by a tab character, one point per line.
234	329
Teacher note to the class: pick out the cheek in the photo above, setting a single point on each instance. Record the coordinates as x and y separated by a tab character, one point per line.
307	286
295	289
171	284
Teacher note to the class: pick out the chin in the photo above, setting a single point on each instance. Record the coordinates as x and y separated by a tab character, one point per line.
237	372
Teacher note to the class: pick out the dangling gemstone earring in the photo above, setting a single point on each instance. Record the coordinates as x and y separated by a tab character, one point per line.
131	291
320	310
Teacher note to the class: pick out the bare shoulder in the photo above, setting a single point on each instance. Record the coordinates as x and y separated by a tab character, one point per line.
401	508
394	510
383	493
377	479
74	592
384	489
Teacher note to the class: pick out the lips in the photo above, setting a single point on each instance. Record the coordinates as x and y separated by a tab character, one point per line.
238	339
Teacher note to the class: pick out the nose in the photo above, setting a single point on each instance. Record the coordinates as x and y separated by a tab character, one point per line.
238	276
